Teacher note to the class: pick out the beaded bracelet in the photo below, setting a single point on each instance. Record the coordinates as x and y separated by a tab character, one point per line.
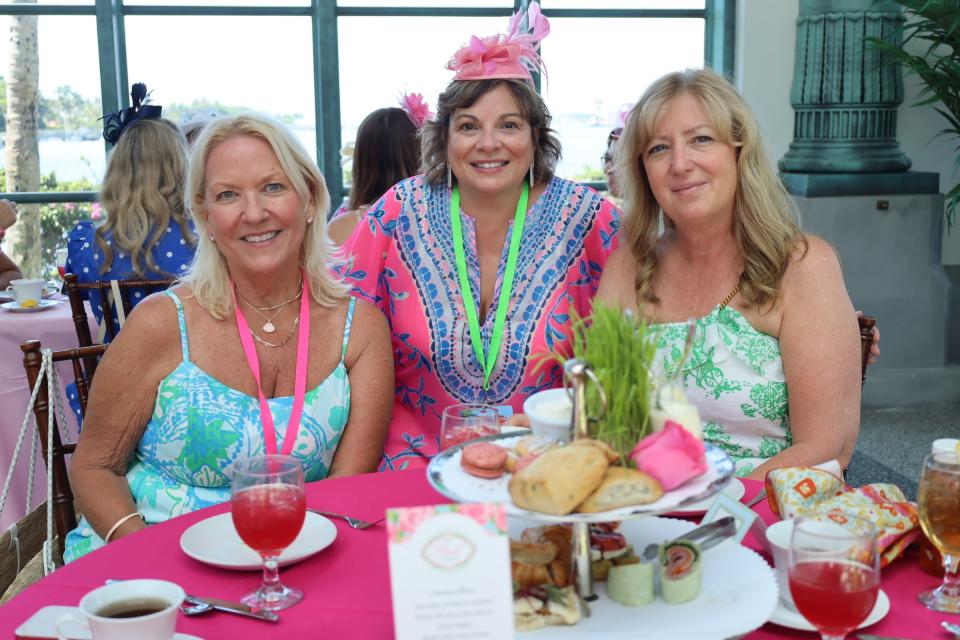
118	523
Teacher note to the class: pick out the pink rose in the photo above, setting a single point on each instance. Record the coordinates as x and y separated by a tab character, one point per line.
672	456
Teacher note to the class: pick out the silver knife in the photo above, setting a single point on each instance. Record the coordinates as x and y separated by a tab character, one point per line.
867	636
235	607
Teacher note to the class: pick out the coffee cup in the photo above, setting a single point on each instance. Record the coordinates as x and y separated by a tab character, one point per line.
27	291
778	537
551	414
143	609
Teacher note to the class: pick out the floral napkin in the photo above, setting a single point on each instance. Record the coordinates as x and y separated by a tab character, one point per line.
795	491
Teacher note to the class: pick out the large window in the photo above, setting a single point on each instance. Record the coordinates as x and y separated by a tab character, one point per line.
319	65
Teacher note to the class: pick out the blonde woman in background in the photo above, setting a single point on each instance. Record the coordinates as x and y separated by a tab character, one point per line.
775	369
146	234
215	368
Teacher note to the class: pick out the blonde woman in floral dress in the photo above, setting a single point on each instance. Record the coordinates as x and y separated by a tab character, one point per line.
775	369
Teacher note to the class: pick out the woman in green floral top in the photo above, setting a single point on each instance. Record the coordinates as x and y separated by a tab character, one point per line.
772	310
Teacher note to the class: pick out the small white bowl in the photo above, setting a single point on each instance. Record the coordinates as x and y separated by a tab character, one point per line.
546	423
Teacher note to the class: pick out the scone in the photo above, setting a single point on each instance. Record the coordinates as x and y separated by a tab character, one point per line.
622	487
558	480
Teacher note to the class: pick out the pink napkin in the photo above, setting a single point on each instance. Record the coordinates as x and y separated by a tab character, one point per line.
672	456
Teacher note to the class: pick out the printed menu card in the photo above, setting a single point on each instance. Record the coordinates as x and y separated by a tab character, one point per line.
450	572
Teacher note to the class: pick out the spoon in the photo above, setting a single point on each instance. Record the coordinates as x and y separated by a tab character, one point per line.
195	608
952	628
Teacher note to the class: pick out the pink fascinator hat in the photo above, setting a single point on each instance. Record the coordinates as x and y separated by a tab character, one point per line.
513	55
416	109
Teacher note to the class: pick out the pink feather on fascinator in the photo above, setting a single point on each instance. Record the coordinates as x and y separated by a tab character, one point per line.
416	109
513	55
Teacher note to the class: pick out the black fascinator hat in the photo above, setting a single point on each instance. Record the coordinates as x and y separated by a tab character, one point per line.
115	123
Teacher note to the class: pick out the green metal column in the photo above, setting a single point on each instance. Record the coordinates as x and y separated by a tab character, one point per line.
719	34
326	92
113	56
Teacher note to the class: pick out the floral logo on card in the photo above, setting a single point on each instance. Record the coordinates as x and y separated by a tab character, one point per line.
448	551
402	523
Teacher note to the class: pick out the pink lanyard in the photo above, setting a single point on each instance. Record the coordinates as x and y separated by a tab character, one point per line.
300	382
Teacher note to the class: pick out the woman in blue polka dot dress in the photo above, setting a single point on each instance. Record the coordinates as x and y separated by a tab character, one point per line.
146	234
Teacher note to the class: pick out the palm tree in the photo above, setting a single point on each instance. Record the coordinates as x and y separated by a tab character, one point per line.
935	25
22	149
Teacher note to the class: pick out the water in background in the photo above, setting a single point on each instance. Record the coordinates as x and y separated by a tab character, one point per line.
583	144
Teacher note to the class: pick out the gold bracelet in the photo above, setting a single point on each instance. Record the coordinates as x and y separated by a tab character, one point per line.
118	523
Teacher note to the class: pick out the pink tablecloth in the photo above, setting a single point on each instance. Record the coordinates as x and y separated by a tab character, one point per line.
347	585
53	328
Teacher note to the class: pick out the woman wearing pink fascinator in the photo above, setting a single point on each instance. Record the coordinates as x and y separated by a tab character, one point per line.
480	261
387	150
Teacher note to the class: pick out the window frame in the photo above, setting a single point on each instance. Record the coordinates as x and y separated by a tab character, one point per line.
719	35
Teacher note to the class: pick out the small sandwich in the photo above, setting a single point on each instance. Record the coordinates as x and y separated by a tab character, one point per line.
542	578
484	460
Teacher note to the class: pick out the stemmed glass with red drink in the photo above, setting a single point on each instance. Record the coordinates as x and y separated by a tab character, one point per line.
268	508
834	572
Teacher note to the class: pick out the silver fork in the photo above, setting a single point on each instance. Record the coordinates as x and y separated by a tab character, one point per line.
757	498
355	523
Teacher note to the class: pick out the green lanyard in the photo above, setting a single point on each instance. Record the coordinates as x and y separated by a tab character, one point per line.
469	306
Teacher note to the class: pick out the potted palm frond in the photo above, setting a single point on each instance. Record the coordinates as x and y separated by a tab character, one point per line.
930	49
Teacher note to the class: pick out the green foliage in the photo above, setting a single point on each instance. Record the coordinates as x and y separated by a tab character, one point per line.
620	348
935	24
589	174
57	219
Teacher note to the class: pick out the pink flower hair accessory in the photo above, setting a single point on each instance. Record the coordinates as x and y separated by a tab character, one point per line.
672	456
513	55
416	108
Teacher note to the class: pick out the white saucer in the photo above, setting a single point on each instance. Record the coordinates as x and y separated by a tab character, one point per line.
792	619
43	305
42	623
734	489
215	541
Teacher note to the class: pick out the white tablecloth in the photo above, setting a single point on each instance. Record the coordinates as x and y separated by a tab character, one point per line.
54	328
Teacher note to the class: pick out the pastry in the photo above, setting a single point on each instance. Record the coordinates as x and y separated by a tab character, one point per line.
606	449
559	479
621	487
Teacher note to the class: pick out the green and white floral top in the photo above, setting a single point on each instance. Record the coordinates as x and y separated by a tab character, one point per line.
735	378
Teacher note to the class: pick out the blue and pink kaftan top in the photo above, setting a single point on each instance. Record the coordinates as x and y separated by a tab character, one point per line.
401	258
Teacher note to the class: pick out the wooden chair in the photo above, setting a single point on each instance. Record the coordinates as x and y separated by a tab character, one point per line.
866	341
78	292
65	517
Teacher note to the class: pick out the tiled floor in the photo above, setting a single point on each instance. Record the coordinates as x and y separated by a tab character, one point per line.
893	443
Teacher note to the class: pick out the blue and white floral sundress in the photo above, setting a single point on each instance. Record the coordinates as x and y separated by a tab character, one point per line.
200	427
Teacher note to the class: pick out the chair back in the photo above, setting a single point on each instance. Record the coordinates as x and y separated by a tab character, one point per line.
78	292
866	341
61	498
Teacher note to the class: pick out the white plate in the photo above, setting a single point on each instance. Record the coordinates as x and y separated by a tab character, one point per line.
448	477
786	617
48	292
738	594
43	305
215	541
734	490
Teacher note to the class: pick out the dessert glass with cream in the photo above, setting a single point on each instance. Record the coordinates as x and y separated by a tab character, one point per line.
669	402
551	414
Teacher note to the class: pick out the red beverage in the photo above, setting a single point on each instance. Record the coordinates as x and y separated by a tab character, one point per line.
62	270
835	597
460	434
268	517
